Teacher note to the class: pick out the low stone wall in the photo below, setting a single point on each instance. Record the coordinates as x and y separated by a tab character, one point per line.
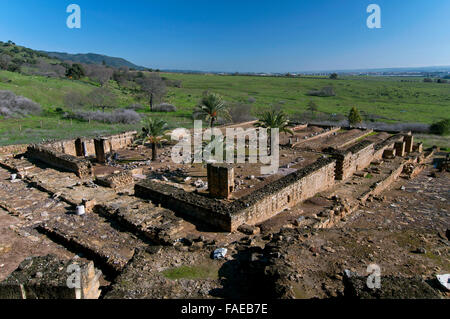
198	207
119	180
360	155
383	184
114	142
46	277
254	208
13	149
329	131
283	193
81	167
65	146
386	144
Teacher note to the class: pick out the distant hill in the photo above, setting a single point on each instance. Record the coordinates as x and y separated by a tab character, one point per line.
92	58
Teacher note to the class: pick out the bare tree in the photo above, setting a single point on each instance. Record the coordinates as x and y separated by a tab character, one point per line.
102	98
75	100
99	73
154	87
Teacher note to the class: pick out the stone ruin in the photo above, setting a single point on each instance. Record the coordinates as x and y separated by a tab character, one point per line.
168	209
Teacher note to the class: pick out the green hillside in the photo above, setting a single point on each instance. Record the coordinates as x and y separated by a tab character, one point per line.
92	58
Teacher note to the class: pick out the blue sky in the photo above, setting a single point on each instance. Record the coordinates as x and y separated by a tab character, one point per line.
245	35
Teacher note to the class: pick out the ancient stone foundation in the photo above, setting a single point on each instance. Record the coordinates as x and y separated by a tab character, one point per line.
256	207
81	167
119	180
49	278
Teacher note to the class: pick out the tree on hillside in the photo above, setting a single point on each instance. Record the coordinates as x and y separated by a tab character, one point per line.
102	98
333	76
153	132
75	100
312	107
99	73
154	87
354	117
211	107
75	71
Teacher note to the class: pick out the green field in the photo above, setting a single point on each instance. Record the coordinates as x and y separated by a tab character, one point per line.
386	99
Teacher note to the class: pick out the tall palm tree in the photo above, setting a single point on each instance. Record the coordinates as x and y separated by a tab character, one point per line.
211	107
153	132
274	119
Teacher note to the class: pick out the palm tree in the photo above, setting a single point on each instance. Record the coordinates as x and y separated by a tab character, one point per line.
274	119
211	107
153	132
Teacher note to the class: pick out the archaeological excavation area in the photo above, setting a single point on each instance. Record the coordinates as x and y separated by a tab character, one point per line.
133	228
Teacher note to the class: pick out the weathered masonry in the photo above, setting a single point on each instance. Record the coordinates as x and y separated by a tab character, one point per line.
81	167
220	180
47	277
256	207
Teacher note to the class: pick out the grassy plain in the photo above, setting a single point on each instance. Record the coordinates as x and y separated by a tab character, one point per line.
386	99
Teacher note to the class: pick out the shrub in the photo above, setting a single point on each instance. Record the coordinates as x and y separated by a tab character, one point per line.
324	92
441	127
12	105
135	107
118	116
427	80
164	107
251	99
333	76
241	113
13	67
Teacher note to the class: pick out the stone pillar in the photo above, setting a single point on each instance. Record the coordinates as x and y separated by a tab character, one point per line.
220	180
79	147
100	150
409	140
400	148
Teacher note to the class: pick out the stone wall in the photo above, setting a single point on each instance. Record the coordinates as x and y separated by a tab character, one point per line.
65	146
254	208
353	159
115	181
81	167
362	154
190	205
386	144
46	277
284	193
13	149
114	142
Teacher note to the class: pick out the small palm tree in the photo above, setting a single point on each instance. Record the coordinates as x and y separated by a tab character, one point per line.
211	107
274	119
153	132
